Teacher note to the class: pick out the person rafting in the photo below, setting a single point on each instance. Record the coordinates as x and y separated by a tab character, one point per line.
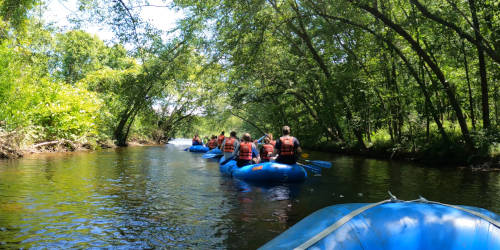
220	138
212	143
247	152
287	148
271	141
197	140
229	145
266	151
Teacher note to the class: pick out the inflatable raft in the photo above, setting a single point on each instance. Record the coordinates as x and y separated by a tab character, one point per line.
393	224
198	149
215	151
264	172
213	154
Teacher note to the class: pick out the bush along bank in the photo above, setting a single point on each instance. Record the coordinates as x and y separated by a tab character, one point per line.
432	151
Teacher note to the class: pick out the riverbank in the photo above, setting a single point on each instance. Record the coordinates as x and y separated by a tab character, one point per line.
451	155
8	150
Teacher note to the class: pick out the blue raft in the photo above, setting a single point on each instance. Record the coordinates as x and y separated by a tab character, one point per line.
264	172
393	224
213	154
198	149
215	151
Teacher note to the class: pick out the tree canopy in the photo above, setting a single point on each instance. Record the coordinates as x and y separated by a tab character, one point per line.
409	76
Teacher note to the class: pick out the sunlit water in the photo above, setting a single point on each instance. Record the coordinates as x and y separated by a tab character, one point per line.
153	197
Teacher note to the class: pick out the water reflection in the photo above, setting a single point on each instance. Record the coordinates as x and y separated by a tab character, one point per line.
147	197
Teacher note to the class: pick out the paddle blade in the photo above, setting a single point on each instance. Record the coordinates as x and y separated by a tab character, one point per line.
322	164
314	169
186	149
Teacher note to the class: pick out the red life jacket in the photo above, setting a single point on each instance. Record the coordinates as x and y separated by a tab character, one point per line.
229	146
286	146
267	151
196	140
220	139
245	151
212	144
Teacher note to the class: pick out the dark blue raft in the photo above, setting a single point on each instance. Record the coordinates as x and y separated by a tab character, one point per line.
264	172
393	224
198	149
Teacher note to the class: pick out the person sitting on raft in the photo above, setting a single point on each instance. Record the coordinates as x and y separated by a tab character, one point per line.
197	140
220	138
287	148
266	151
271	141
247	152
212	143
229	145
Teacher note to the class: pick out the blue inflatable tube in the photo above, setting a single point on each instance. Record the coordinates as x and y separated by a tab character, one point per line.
264	172
215	151
198	149
393	224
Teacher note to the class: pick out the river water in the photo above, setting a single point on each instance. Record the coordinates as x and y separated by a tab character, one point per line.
162	196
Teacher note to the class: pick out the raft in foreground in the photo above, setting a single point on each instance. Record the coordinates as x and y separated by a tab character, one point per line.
393	224
264	172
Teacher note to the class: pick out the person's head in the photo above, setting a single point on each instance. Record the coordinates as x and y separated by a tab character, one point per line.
222	133
214	137
233	134
196	135
285	130
247	137
267	140
270	136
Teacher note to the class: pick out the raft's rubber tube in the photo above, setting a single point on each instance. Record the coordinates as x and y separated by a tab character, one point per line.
392	225
198	149
264	172
215	151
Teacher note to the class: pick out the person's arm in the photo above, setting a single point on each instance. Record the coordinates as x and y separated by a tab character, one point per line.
236	146
221	147
257	155
297	147
277	147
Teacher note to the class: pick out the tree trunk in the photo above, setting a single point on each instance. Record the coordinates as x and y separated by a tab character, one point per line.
449	89
482	67
471	99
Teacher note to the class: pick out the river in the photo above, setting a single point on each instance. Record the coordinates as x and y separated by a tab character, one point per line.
162	196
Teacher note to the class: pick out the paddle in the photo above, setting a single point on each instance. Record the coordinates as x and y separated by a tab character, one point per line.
227	160
186	149
322	164
260	139
317	163
311	168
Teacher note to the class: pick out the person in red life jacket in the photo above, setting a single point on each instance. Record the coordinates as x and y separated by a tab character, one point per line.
266	151
229	145
287	148
221	138
212	143
197	140
271	141
247	152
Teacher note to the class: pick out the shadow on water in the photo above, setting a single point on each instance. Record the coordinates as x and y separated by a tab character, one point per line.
149	197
